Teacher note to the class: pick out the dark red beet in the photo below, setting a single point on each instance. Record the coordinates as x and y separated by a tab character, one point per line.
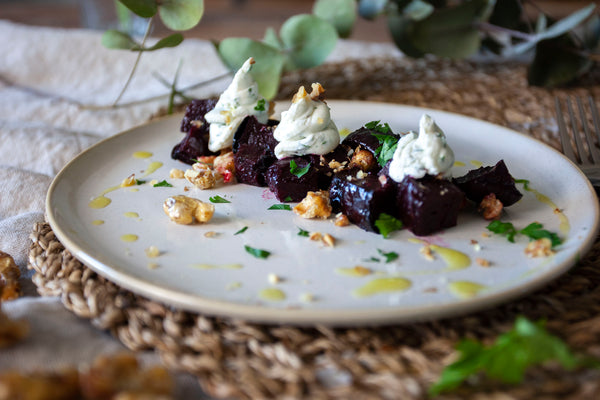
289	187
195	142
428	205
496	179
253	151
365	138
362	200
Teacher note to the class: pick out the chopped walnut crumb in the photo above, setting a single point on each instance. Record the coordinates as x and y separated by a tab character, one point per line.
482	262
490	207
539	248
274	278
427	253
328	240
211	234
337	166
176	173
224	166
341	220
315	236
364	160
362	271
9	277
129	181
307	297
152	252
201	176
184	210
314	205
153	265
485	235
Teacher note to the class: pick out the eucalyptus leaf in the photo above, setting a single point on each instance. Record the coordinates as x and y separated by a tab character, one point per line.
170	41
339	13
143	8
114	39
556	62
417	10
308	40
269	62
557	29
181	15
371	9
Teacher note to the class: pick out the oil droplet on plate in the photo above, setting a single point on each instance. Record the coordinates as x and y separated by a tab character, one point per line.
99	202
272	294
142	154
97	222
357	271
476	163
222	266
459	164
465	289
382	285
154	165
454	259
131	214
129	237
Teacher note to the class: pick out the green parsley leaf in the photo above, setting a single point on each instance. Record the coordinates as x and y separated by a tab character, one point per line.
389	257
503	228
295	170
302	232
139	182
288	198
378	127
372	259
385	152
508	358
163	183
244	229
258	253
218	199
387	224
534	231
260	105
286	207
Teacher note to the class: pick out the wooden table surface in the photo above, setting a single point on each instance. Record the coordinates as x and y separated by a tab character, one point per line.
225	18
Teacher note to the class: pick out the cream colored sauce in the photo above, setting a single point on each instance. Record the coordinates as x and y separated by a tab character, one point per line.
272	294
382	285
465	289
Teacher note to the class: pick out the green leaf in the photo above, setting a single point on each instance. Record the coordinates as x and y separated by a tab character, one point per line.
143	8
299	172
272	39
303	233
339	13
218	199
503	228
267	69
535	231
385	152
525	183
244	229
163	183
377	126
113	39
181	15
170	41
139	182
258	253
285	207
389	256
508	358
308	40
386	224
371	9
260	105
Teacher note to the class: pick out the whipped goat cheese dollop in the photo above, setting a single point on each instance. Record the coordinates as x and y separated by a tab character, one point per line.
424	153
306	127
238	101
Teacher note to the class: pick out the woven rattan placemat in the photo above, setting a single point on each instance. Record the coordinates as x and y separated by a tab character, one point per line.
242	360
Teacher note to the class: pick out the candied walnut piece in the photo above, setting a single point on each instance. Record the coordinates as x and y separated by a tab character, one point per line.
225	166
364	160
176	173
120	375
184	210
40	385
314	205
341	220
129	181
201	176
9	277
490	207
539	248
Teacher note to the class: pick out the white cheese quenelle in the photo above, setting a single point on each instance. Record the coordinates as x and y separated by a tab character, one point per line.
239	100
306	127
425	153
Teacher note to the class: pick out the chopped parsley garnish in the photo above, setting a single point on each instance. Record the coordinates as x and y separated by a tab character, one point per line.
288	198
533	231
244	229
389	257
260	105
218	199
258	253
295	170
506	360
286	207
302	232
385	152
139	182
386	224
163	183
525	183
378	127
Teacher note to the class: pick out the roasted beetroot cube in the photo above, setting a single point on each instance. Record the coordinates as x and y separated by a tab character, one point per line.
292	177
195	142
253	151
496	179
428	205
362	199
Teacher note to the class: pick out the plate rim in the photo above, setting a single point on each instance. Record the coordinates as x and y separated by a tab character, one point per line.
310	316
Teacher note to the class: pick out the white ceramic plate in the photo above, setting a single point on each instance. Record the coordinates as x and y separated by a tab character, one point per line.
217	276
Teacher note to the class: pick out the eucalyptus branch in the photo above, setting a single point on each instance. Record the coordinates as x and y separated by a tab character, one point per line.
486	27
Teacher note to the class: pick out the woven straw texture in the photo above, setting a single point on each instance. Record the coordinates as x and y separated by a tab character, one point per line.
235	359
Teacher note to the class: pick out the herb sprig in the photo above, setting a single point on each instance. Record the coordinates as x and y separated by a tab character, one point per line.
386	224
296	170
533	231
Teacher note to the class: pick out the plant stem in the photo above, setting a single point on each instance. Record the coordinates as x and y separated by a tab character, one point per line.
487	27
137	61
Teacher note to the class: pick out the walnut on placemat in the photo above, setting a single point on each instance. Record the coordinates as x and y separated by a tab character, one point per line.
9	277
116	377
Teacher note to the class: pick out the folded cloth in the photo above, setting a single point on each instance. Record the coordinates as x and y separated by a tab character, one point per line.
52	82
